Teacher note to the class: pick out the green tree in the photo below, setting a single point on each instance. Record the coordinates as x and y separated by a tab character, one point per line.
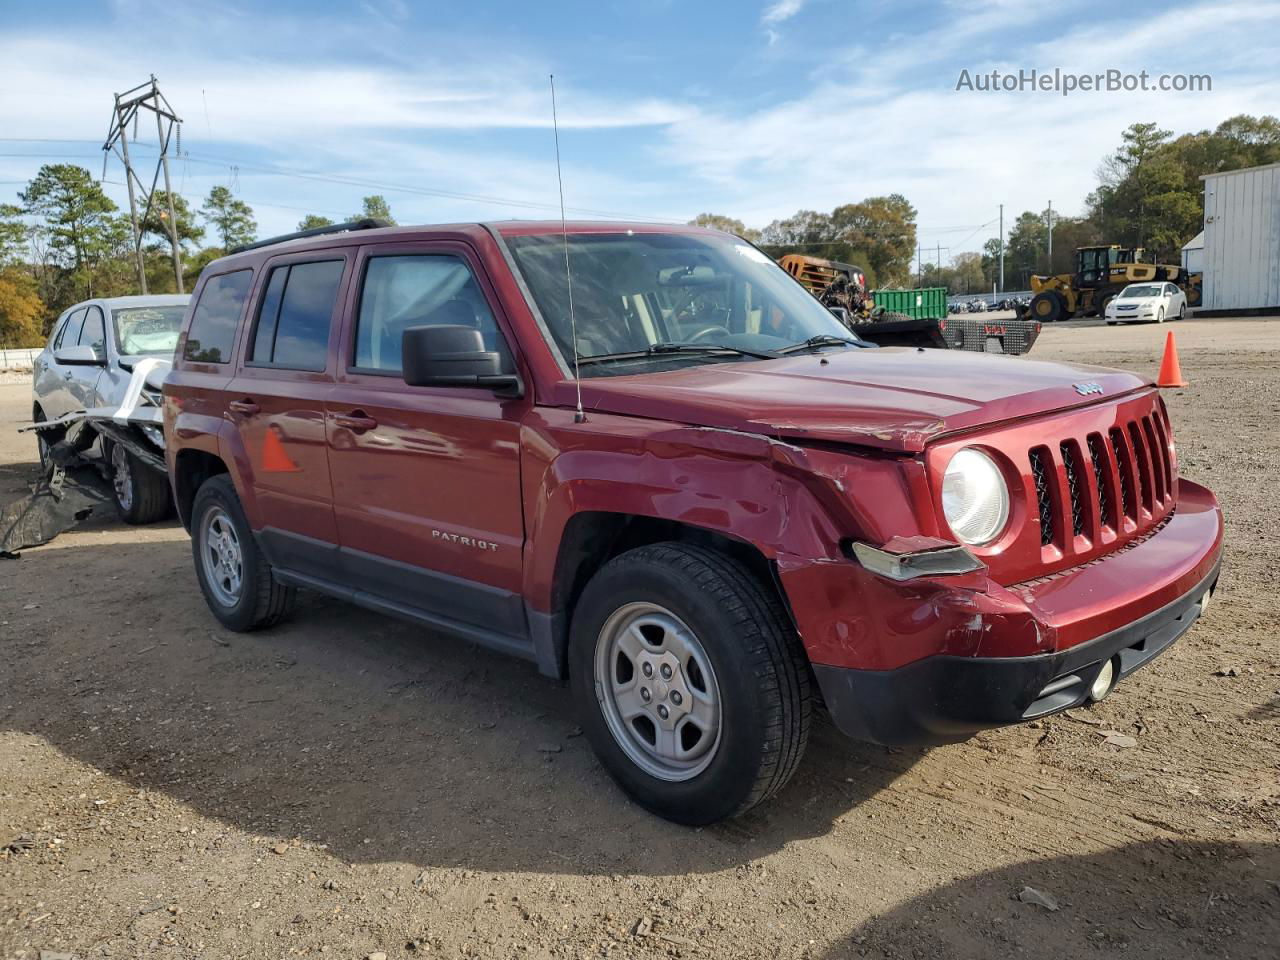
13	234
883	227
75	213
313	221
232	219
716	221
375	206
155	225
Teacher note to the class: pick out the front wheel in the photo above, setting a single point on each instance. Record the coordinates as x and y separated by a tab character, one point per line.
141	493
1182	312
691	683
1160	315
45	439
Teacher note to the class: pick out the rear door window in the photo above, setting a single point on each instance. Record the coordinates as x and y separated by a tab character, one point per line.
94	333
213	325
296	315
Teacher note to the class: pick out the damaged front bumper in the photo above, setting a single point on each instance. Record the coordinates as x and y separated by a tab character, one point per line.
934	660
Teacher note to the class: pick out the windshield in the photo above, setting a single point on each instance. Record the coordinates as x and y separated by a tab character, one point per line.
634	291
148	331
1134	293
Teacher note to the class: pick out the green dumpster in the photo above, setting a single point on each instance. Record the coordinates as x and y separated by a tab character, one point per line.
928	303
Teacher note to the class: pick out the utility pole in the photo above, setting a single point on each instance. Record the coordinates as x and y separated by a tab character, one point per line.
1049	269
146	96
919	265
1002	248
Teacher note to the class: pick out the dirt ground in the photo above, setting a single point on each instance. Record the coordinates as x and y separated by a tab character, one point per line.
349	785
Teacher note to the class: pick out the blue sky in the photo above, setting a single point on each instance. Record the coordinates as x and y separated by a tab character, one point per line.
752	109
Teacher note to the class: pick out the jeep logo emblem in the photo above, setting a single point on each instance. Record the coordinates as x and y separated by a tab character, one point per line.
1084	389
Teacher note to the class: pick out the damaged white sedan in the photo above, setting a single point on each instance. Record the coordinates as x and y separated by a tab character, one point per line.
85	374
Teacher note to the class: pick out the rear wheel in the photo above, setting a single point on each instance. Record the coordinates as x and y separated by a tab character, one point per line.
234	574
1102	299
141	493
691	684
1048	307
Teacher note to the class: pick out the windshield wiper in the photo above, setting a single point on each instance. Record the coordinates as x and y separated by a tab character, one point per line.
821	340
709	348
659	349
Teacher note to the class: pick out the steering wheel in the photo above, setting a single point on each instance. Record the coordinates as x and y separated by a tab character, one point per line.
707	331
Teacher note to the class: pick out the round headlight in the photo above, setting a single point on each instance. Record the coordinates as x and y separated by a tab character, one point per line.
975	498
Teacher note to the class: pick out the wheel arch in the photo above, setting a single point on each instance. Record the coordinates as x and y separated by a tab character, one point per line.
591	538
191	468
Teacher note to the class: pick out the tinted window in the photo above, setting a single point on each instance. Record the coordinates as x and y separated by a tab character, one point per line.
71	331
416	291
213	325
93	333
294	320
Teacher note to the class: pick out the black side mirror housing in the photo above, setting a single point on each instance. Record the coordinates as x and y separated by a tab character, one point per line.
454	356
841	314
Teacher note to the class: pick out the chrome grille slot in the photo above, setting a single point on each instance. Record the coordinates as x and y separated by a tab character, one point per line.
1040	466
1124	467
1143	459
1075	480
1102	471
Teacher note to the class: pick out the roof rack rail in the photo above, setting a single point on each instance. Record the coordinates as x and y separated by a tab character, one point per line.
365	223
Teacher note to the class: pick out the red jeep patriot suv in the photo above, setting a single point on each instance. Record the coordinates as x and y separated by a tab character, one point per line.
645	459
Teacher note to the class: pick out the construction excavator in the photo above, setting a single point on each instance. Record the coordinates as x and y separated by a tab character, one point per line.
1101	272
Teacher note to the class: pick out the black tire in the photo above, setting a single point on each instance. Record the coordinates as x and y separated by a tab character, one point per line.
1160	315
1182	313
45	439
1103	298
761	673
1048	307
261	601
141	493
1112	323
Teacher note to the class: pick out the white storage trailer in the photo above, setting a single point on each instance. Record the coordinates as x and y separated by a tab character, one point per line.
1242	239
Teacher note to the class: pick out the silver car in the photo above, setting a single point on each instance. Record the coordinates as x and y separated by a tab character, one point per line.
87	364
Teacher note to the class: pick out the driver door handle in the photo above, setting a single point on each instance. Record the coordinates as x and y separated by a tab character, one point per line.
246	407
357	421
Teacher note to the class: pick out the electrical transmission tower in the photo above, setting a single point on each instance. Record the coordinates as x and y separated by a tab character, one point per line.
129	105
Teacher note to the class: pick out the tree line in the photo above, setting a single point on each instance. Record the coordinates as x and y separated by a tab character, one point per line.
66	241
1149	195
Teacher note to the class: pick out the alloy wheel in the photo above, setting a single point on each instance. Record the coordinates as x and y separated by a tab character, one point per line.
658	692
121	477
222	556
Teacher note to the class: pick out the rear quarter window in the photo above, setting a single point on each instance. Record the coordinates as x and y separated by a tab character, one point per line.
213	324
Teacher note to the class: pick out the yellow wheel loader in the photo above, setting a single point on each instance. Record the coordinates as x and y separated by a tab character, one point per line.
1101	273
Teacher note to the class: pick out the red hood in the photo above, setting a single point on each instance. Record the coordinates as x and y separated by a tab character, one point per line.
894	398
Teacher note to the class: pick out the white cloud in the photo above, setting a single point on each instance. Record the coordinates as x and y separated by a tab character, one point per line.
780	11
868	126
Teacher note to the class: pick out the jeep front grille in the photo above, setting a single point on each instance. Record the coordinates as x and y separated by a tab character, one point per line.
1124	485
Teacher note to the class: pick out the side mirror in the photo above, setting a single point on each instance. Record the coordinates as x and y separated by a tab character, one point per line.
81	355
454	356
841	314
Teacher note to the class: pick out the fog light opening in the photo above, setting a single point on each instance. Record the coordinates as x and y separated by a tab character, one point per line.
1104	682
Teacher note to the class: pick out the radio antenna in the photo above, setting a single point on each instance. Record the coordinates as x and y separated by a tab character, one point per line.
580	415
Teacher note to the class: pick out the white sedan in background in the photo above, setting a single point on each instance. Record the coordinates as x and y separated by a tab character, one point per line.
1147	303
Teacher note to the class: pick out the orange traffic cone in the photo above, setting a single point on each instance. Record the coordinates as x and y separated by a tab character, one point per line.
274	458
1170	371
